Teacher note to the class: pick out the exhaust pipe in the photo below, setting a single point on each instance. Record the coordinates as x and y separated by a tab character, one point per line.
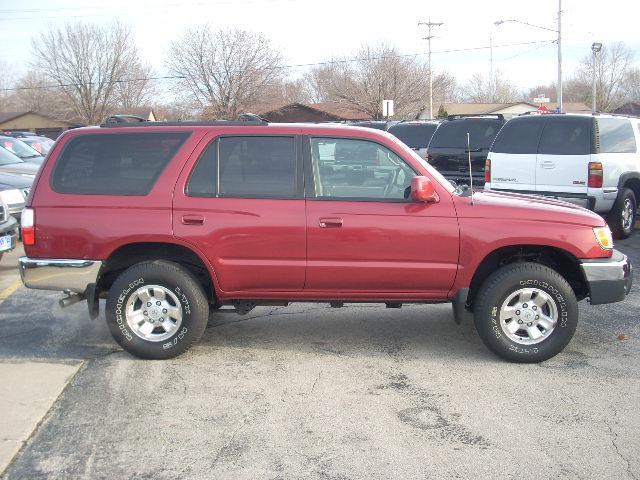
70	299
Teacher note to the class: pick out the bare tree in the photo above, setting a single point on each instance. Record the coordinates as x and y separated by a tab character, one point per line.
224	71
136	88
545	91
85	61
7	82
34	92
375	74
612	69
631	85
481	89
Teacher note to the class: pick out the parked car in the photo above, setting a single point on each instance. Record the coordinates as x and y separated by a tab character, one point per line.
591	160
171	221
10	163
415	134
31	138
8	231
42	145
21	149
448	151
14	190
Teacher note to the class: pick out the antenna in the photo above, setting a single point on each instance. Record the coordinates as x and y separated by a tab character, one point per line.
470	172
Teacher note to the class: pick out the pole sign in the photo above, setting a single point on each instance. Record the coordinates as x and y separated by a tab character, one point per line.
387	108
541	100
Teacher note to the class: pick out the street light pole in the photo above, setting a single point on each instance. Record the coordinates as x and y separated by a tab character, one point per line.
559	86
595	48
428	38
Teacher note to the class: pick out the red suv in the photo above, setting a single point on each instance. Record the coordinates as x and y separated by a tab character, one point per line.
171	221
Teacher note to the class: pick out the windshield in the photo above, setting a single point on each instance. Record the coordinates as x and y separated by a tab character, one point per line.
19	148
7	158
414	135
453	134
436	175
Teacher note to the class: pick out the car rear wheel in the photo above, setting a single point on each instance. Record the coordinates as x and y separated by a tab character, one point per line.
156	310
622	219
526	312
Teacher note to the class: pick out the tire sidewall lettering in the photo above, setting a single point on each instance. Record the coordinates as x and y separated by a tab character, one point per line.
119	310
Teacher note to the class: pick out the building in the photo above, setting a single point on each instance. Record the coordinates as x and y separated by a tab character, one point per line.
31	121
310	112
507	109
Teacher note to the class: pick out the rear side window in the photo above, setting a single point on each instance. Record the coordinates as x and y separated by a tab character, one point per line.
566	136
414	135
453	133
616	135
114	164
263	167
519	136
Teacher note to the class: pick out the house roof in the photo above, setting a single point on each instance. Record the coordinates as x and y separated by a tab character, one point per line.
338	110
484	108
8	116
143	112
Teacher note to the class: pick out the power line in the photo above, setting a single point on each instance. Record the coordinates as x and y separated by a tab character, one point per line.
283	67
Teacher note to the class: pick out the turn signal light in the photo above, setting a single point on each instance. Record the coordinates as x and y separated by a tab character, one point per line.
28	227
604	238
595	175
487	171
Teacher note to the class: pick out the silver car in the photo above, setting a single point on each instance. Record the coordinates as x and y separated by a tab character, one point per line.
10	163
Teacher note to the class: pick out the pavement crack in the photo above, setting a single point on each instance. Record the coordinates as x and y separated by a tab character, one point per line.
228	444
314	383
614	439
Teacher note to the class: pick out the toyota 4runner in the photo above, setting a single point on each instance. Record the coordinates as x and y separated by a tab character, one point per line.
171	221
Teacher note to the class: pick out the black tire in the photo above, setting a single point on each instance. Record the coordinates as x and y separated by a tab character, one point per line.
504	282
616	217
193	303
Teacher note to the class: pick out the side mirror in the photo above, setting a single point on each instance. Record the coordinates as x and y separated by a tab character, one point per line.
422	190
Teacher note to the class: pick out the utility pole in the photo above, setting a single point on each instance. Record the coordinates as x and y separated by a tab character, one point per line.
559	92
595	48
428	38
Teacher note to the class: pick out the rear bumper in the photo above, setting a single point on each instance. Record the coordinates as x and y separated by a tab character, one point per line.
609	279
59	274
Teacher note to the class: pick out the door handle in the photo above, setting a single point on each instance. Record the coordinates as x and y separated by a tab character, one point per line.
192	220
330	222
547	164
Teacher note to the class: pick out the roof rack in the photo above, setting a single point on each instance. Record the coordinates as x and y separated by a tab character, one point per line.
499	116
131	120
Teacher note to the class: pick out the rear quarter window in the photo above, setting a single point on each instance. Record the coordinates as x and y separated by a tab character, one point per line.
616	135
566	136
114	164
413	135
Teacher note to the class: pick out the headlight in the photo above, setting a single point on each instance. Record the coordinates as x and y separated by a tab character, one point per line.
10	197
603	237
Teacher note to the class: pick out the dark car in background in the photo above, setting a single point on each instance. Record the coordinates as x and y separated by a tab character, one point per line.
448	151
415	134
377	124
21	149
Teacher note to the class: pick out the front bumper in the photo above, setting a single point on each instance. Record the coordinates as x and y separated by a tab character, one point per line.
59	274
609	279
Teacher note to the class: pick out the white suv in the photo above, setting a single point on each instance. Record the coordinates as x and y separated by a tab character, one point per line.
592	160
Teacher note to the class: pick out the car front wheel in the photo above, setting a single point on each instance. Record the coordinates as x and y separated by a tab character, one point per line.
526	312
622	219
156	310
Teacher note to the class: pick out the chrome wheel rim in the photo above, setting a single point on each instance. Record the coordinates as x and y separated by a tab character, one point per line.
528	316
154	313
627	214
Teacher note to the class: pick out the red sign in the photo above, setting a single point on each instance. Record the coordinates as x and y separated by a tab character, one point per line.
543	109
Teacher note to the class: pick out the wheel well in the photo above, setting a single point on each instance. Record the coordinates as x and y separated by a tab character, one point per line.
557	259
128	255
634	184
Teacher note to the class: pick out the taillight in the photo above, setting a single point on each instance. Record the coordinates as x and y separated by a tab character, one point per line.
28	226
595	175
487	171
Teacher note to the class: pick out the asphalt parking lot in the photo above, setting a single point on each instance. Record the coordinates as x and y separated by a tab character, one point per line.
311	392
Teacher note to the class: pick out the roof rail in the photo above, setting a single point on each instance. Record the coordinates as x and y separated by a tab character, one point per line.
244	119
499	116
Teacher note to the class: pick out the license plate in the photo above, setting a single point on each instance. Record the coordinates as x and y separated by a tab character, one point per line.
5	243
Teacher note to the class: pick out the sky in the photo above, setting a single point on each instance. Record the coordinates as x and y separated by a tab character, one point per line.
309	32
